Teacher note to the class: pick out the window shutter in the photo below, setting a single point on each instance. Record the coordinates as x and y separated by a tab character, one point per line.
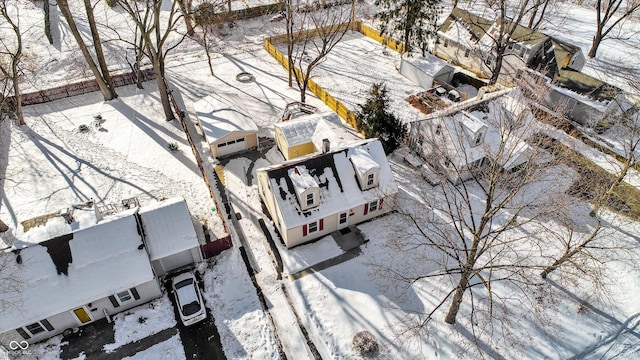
380	205
366	208
135	293
113	300
304	230
321	224
23	333
47	324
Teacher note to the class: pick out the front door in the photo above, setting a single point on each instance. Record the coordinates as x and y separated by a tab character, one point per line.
82	315
343	220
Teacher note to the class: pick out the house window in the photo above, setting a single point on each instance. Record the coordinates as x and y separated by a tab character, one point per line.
519	73
373	206
446	42
343	218
370	179
310	199
312	227
36	328
124	296
467	52
438	129
489	60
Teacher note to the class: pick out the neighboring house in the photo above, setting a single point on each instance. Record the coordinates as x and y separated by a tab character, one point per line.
227	126
170	236
77	278
467	40
81	274
313	196
305	134
424	70
457	141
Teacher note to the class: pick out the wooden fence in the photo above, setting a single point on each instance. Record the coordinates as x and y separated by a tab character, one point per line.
347	115
81	87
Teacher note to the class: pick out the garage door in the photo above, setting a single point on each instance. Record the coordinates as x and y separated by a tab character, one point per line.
231	146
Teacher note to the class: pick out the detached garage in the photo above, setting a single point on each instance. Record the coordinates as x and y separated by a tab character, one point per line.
424	70
171	239
227	126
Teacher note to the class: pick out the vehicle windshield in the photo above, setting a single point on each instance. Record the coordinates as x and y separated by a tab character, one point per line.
191	308
183	283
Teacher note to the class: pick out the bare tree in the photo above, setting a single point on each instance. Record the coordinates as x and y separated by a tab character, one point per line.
211	16
603	191
101	75
537	13
495	192
10	57
185	7
610	14
47	21
155	27
318	32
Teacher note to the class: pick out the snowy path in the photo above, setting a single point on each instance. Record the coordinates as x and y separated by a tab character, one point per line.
294	342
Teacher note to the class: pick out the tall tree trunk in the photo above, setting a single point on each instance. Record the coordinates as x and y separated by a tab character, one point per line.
497	67
158	70
66	12
595	43
47	21
95	35
450	318
184	7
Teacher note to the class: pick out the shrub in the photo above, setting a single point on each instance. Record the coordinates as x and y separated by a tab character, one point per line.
365	344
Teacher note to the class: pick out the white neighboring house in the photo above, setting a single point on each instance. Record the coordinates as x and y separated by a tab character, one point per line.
79	274
315	195
227	126
77	278
458	140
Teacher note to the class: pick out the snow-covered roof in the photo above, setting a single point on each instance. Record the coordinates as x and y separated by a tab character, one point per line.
168	228
310	128
336	178
300	179
75	269
429	64
221	115
362	160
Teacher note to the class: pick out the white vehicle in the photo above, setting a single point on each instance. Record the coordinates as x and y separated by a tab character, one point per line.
188	299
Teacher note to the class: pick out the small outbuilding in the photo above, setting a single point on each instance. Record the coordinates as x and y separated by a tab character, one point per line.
170	236
227	126
424	70
306	134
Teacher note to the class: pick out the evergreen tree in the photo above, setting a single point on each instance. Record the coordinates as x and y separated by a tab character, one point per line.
375	120
415	19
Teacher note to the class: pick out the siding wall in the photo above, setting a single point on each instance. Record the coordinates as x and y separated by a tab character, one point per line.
65	320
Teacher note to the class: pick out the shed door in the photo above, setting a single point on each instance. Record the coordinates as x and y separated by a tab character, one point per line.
232	146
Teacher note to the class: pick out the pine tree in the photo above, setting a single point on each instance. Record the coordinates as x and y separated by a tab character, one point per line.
415	19
375	120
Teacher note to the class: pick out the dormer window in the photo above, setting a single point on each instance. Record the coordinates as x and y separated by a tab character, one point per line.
477	140
305	186
365	167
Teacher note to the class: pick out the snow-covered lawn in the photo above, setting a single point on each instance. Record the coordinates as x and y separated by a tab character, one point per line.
142	321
